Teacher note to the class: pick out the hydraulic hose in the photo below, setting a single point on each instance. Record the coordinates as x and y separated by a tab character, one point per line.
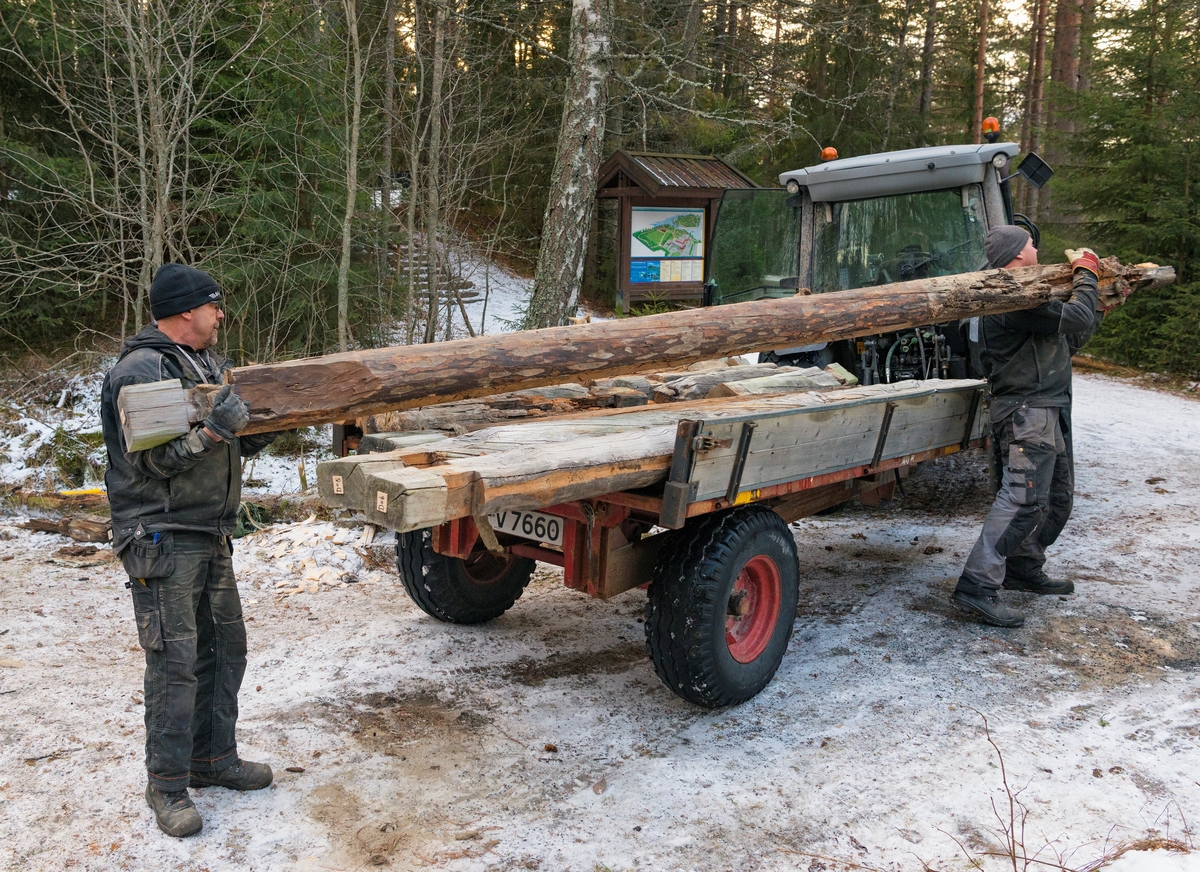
887	362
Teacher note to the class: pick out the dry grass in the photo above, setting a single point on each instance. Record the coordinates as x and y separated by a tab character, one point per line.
1156	843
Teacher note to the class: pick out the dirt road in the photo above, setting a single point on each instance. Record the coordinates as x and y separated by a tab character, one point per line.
545	741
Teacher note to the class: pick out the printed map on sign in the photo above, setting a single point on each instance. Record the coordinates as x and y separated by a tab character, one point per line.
667	232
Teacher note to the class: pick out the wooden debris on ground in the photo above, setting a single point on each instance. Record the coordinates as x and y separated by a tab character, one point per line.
89	498
314	556
81	528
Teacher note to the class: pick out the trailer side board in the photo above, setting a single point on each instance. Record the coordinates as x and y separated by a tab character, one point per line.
809	442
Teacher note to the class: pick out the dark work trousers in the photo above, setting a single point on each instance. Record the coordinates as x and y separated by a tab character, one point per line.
190	624
1037	491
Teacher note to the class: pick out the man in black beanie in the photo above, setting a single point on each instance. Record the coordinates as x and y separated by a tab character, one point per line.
173	510
1027	358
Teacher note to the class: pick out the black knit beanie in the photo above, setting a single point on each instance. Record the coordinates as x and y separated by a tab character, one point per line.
178	288
1004	243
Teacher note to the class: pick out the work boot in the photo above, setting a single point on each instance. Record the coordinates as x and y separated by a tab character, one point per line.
1040	583
988	608
242	775
175	813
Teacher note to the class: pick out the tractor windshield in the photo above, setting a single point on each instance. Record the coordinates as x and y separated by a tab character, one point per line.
754	246
894	239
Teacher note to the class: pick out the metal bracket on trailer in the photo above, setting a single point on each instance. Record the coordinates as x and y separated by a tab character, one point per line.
739	461
976	399
678	492
888	411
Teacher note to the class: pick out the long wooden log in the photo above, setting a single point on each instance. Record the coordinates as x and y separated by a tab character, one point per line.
340	386
337	387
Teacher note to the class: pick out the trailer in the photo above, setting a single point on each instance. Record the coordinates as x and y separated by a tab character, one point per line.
691	501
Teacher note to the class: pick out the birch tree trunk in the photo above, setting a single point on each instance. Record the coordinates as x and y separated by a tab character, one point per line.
353	123
1027	92
568	213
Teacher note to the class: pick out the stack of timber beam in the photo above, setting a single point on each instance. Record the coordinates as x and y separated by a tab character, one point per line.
727	377
538	464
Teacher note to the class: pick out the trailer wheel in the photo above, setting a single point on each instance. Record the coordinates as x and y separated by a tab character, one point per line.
471	591
721	606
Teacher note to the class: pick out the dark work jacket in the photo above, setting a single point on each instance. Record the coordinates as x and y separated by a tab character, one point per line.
192	482
1027	355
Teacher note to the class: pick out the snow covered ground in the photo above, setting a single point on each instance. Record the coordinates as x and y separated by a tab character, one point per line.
544	740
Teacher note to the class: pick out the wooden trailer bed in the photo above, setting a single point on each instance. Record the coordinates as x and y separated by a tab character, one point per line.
659	496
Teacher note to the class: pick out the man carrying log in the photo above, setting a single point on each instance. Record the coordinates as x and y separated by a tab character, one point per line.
173	510
1027	356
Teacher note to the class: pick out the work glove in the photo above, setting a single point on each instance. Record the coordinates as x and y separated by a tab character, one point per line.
230	413
1084	258
1112	298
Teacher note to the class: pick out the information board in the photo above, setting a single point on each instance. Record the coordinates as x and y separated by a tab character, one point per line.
666	244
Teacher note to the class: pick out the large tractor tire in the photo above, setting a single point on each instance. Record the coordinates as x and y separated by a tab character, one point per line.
471	591
722	604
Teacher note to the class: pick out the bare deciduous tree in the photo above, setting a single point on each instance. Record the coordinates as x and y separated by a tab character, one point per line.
568	215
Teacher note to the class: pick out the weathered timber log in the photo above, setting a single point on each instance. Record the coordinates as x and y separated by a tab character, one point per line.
463	416
354	384
775	384
339	386
154	413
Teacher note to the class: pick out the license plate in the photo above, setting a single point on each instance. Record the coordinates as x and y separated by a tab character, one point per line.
529	525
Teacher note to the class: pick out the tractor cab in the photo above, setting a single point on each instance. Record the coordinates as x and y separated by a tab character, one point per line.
865	221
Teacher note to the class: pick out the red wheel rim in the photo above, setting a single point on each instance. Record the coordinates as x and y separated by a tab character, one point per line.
484	567
753	609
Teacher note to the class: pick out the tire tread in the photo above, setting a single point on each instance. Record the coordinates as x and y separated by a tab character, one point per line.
430	581
688	580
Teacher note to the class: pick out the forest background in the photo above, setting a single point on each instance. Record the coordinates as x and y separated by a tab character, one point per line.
262	141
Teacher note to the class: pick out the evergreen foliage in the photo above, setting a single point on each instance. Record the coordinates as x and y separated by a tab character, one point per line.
1133	175
217	133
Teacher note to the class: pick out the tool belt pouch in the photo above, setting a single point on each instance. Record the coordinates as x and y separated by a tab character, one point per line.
146	559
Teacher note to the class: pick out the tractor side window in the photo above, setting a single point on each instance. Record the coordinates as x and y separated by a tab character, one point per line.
755	246
895	239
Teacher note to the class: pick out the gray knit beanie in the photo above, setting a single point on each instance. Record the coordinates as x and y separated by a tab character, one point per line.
1004	243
